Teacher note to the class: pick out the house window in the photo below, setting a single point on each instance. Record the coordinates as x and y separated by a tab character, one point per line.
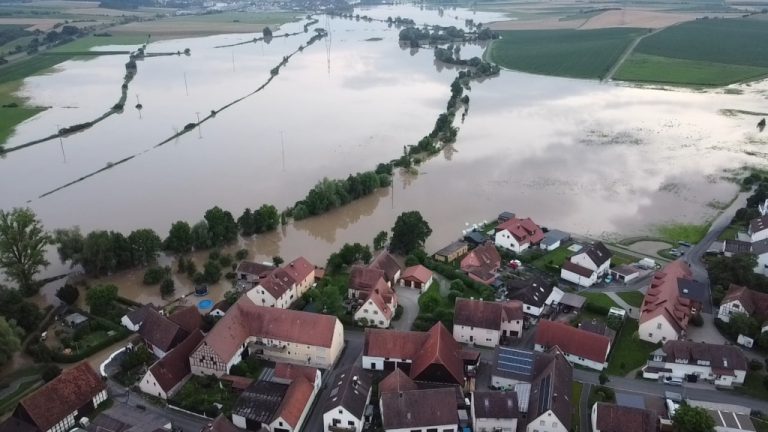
432	430
658	326
542	423
350	423
339	411
650	334
736	306
336	422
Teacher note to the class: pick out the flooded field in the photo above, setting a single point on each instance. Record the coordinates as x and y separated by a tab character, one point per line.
599	159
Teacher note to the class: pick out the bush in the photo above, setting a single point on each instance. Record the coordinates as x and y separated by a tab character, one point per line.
191	268
50	372
697	320
155	275
398	313
214	255
411	260
68	294
596	309
225	260
211	272
230	275
167	287
241	254
603	378
755	365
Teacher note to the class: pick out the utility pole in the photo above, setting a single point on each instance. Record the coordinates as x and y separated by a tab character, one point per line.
185	83
199	131
61	143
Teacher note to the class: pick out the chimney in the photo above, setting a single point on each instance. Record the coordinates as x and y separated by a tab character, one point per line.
354	381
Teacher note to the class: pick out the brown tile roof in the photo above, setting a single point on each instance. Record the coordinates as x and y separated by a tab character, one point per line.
573	341
12	424
238	383
350	388
290	372
66	393
417	409
723	357
663	296
276	283
174	367
221	424
452	248
396	381
246	319
615	418
161	331
364	278
137	316
187	317
524	230
482	261
299	269
575	268
296	399
754	302
485	314
387	263
393	343
495	405
417	273
441	350
254	268
551	387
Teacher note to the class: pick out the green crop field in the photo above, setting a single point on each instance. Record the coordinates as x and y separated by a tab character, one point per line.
571	53
711	52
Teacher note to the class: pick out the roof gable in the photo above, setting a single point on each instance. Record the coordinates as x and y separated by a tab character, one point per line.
160	331
350	389
442	350
417	273
387	263
523	230
663	296
171	369
572	340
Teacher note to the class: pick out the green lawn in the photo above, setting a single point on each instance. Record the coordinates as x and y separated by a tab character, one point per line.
702	52
552	261
619	258
599	299
571	53
675	232
665	70
633	298
730	233
199	394
576	405
628	351
10	117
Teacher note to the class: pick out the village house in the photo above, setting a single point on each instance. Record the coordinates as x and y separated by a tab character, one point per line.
348	400
417	277
283	285
377	301
758	229
59	404
588	265
494	412
452	252
279	405
615	418
167	375
133	319
722	365
667	308
432	356
535	293
742	300
553	239
518	235
512	367
549	404
758	248
273	334
389	265
405	407
220	309
624	273
487	323
161	334
476	238
250	272
482	263
579	346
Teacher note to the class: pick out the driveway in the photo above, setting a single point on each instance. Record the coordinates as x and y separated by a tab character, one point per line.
707	333
408	298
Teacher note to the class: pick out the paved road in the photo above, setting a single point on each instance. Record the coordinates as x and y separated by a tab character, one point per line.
633	311
151	417
408	298
353	350
696	252
626	54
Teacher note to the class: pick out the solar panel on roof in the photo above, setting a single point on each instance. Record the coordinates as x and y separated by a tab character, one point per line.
516	361
544	388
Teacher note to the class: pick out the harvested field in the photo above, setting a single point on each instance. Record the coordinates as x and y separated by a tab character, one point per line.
30	24
203	25
547	24
641	19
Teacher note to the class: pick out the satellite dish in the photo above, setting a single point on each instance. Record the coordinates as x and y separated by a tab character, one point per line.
466	223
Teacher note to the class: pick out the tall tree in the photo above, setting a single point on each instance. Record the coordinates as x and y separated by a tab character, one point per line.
201	238
277	260
9	342
145	244
266	218
692	419
70	244
22	247
409	233
98	257
246	224
100	299
179	239
222	227
380	240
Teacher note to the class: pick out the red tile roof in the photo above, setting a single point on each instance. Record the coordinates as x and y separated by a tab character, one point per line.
299	269
572	340
485	314
174	367
68	392
160	331
294	402
246	319
440	349
290	372
419	409
187	317
523	230
417	273
393	343
663	296
615	418
396	381
221	424
364	278
482	262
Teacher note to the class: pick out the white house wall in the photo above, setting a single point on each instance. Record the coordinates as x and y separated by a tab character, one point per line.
345	419
372	314
127	323
581	361
476	335
578	279
494	425
680	370
727	309
150	386
762	264
506	240
757	236
657	330
546	422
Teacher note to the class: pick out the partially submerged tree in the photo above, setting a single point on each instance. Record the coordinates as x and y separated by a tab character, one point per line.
409	233
22	247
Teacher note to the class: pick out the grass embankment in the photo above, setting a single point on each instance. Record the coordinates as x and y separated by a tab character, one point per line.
628	352
599	299
691	233
711	52
633	298
569	53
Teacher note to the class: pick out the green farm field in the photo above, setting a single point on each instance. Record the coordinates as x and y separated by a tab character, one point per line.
570	53
711	52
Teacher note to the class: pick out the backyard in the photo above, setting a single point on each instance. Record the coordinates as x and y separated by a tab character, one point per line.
628	352
633	298
552	261
200	394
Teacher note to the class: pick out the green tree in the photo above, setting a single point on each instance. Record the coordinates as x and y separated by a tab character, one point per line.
70	243
380	240
409	233
222	227
246	223
201	238
122	252
267	33
14	308
743	324
97	257
277	260
266	218
100	299
179	240
145	244
167	287
9	341
241	254
50	372
692	419
22	247
211	272
68	294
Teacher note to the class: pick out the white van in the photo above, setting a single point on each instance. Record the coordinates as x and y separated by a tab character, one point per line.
673	381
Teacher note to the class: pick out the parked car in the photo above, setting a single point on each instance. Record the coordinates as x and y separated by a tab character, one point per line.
673	381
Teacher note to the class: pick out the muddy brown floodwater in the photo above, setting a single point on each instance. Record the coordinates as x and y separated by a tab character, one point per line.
599	159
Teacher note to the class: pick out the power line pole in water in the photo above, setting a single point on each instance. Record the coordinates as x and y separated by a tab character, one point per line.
199	131
185	83
61	143
282	145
